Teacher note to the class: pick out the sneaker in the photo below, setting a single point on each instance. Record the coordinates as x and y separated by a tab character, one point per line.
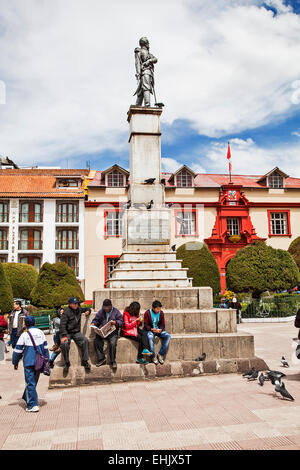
86	365
66	367
100	363
160	359
34	409
114	365
51	364
155	361
142	361
146	352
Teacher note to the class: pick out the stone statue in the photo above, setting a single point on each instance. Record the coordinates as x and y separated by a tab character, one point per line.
144	64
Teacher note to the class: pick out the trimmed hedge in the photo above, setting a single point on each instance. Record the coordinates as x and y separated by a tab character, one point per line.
22	277
55	285
294	250
260	268
202	266
6	293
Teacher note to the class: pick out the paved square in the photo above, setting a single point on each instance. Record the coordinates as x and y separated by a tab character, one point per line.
221	412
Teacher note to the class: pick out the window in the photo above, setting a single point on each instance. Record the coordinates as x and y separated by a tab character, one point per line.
275	181
3	259
109	263
115	179
67	240
71	261
30	240
31	212
67	212
35	261
279	223
185	223
67	183
233	226
3	240
184	179
113	224
3	212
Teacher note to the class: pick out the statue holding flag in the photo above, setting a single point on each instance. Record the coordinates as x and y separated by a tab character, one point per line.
144	65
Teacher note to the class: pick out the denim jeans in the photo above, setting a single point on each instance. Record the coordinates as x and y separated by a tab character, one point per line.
30	393
165	342
14	338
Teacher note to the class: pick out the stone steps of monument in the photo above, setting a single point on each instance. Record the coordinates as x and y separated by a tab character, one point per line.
147	283
145	273
149	264
188	321
150	255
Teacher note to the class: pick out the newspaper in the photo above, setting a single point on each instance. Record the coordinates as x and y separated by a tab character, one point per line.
105	331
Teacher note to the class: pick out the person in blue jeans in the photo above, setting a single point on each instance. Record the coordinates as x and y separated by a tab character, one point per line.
56	338
154	324
25	349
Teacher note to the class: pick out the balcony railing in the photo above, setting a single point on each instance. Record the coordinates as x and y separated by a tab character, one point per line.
67	244
25	219
3	244
30	244
67	218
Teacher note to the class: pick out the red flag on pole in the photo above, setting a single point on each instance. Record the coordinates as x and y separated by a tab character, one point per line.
228	152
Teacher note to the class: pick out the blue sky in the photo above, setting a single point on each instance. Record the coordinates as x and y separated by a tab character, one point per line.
227	70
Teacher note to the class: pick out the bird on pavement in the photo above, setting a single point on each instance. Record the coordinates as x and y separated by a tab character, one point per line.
275	374
253	376
150	180
173	247
284	393
277	386
149	206
250	372
261	379
284	362
201	358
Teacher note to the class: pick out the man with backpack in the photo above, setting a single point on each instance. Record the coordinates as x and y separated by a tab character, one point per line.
31	343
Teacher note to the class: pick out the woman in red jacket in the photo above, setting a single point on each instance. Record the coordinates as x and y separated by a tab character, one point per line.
131	330
3	329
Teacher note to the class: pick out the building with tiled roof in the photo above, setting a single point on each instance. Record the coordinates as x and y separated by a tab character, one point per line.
206	207
42	216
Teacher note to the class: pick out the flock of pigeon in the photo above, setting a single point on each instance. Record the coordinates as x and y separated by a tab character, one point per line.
274	376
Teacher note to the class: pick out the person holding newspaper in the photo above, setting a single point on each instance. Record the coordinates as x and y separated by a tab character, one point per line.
112	318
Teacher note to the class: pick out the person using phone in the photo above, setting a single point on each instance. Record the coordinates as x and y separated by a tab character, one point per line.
131	330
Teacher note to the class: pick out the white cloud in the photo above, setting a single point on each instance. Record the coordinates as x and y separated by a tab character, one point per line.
68	66
170	165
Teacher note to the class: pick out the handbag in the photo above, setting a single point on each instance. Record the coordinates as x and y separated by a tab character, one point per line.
41	363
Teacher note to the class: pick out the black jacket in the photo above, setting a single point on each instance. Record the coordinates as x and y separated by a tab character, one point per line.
70	322
297	322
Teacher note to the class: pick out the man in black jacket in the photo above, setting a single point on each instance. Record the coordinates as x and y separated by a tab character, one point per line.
297	325
70	326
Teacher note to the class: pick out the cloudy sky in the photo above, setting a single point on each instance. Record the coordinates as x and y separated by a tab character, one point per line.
227	70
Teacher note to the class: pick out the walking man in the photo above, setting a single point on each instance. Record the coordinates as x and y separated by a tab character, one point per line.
106	314
70	326
16	323
26	349
154	323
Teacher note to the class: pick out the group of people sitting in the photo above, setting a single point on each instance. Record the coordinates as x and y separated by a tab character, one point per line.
67	325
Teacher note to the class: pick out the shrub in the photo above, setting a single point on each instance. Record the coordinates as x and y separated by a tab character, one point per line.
23	278
294	250
202	266
260	268
55	285
6	293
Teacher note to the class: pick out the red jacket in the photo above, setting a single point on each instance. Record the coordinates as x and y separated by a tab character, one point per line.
148	325
130	325
3	323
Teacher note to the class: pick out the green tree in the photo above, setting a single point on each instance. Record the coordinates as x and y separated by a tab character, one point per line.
294	250
55	285
6	293
260	267
202	265
22	277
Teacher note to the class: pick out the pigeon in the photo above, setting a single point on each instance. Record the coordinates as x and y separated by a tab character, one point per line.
261	379
284	362
275	380
253	376
163	181
284	393
159	105
277	386
201	358
275	374
150	181
173	247
150	204
250	372
170	204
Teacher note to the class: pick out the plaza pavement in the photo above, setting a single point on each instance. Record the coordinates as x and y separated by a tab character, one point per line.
207	412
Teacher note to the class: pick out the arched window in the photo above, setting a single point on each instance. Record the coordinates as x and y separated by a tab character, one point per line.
67	240
31	212
3	240
67	212
30	240
3	211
